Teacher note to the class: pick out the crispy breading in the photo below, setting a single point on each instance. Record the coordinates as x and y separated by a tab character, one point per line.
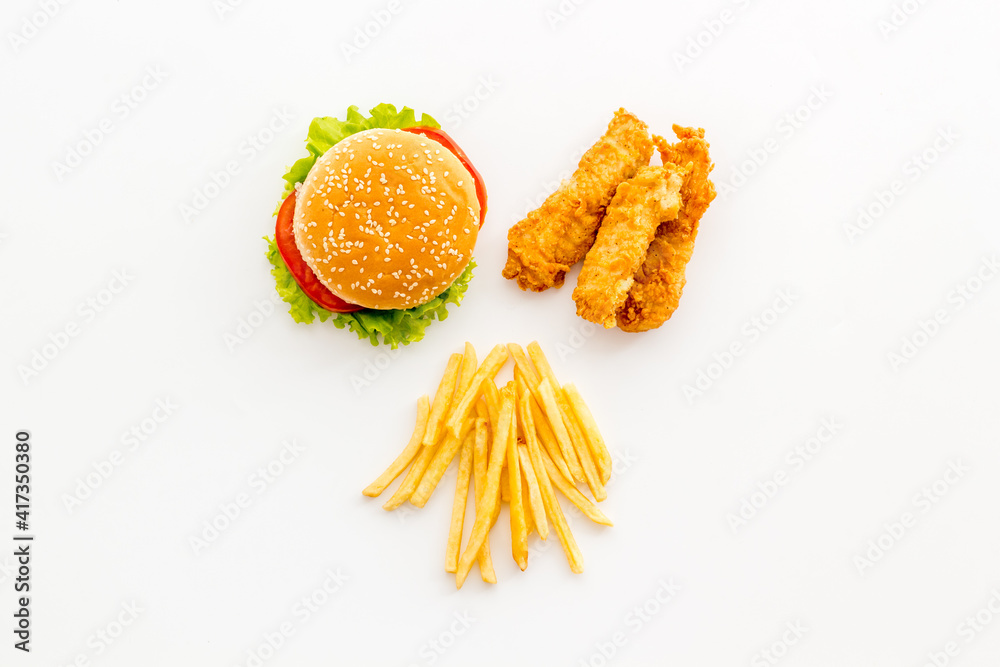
656	292
558	234
639	206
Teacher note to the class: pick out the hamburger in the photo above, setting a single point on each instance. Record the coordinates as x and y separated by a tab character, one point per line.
378	225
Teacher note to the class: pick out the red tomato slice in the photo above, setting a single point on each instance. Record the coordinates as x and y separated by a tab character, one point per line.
284	235
284	238
442	138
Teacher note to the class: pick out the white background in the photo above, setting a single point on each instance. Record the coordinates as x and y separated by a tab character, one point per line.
554	81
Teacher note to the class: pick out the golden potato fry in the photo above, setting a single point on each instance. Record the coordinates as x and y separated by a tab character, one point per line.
465	376
590	510
439	464
480	461
549	500
458	506
442	400
542	364
412	478
522	364
529	519
534	493
491	365
406	456
546	436
551	409
491	496
492	397
518	527
582	450
590	431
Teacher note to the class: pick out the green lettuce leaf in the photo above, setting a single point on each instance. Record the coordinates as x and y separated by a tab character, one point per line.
302	309
388	327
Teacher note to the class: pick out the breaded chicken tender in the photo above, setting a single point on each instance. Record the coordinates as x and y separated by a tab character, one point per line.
656	292
639	206
558	234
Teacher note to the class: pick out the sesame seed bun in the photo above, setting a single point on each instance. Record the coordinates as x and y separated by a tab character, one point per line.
387	219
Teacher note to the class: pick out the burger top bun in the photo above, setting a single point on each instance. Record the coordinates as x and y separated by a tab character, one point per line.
387	219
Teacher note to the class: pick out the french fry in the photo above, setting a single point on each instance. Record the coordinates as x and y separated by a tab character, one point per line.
582	450
480	461
554	415
455	380
549	500
464	378
593	434
442	400
482	412
517	444
547	437
458	506
518	526
491	495
412	478
492	396
439	463
534	493
522	364
590	510
522	390
529	519
542	364
406	456
491	365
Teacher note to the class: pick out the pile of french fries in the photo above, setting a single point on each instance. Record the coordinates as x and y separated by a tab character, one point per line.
517	444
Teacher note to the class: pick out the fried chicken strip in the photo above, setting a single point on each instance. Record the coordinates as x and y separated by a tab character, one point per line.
639	206
557	235
656	292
